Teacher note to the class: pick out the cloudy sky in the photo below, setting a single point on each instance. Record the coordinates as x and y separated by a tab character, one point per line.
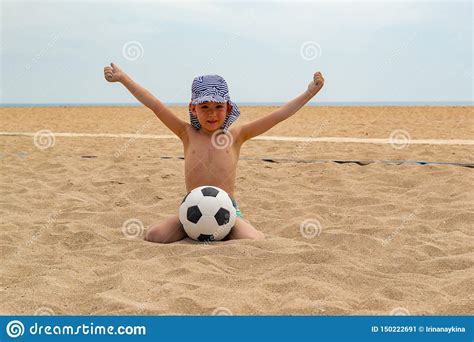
54	52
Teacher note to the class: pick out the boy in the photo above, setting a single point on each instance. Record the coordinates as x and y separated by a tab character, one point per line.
207	161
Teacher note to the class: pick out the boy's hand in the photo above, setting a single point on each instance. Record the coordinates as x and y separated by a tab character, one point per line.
112	73
316	84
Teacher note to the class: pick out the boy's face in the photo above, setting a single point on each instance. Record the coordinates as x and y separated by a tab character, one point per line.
211	115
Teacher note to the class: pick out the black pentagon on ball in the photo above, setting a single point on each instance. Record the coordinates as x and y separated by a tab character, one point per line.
208	191
222	216
206	237
194	214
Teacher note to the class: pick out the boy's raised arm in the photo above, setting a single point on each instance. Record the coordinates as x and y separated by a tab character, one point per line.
114	74
259	126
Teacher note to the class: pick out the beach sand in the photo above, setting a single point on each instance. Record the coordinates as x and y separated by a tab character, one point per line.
378	239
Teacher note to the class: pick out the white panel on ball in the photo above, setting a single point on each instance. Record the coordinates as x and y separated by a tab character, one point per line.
207	213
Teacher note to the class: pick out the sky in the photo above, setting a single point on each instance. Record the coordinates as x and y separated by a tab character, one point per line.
372	51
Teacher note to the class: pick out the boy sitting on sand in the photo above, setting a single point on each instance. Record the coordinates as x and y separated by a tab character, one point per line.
207	160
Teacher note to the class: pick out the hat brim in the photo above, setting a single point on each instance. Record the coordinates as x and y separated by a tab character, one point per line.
209	98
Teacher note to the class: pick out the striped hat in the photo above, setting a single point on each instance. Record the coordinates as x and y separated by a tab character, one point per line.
212	88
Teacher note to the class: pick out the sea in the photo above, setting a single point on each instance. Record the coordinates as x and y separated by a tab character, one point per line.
350	104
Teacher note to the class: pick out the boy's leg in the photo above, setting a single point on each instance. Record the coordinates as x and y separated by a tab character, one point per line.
170	230
244	230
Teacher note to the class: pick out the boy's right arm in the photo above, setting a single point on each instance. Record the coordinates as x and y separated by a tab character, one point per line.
175	124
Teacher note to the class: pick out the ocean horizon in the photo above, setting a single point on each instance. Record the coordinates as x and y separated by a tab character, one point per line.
131	104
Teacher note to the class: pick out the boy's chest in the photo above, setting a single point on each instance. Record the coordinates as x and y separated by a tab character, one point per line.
219	151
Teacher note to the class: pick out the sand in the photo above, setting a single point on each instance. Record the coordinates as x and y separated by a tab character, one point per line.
378	240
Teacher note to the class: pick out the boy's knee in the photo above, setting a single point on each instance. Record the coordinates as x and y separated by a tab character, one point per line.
155	234
256	235
252	235
150	234
260	235
165	232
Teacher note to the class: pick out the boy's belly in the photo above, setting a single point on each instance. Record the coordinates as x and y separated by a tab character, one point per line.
217	170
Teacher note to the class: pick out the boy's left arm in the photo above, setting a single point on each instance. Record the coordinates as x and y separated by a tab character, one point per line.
259	126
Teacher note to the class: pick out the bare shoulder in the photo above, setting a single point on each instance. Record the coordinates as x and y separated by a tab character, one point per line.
236	133
187	133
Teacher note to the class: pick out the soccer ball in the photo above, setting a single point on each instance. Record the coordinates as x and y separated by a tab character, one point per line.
207	213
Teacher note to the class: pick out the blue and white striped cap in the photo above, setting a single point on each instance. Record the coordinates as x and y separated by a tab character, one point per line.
212	88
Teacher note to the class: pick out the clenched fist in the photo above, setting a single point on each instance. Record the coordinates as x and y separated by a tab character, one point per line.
112	73
316	84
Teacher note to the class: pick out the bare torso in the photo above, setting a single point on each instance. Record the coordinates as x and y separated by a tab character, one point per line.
206	162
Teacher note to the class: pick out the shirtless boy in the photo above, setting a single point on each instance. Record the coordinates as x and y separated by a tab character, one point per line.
207	161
